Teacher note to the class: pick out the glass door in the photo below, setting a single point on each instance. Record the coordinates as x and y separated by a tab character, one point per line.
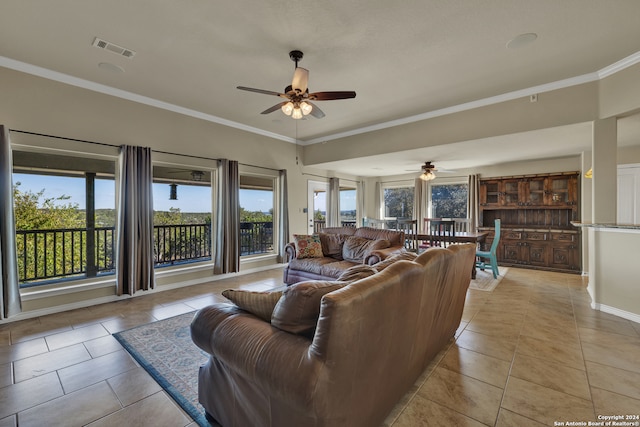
317	206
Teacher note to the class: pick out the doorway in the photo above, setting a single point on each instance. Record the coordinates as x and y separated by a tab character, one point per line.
316	205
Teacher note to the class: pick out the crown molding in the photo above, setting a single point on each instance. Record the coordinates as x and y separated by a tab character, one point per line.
130	96
108	90
620	65
548	87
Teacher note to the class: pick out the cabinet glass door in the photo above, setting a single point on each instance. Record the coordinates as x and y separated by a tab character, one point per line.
559	190
535	193
493	193
511	193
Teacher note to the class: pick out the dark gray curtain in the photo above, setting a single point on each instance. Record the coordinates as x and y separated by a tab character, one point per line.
10	303
227	241
283	218
134	260
474	200
333	203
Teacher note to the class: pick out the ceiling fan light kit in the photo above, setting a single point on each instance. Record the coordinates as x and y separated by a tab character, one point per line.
298	99
428	172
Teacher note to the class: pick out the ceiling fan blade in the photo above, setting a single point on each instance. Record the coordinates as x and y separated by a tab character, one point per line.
300	80
266	92
316	112
274	108
328	96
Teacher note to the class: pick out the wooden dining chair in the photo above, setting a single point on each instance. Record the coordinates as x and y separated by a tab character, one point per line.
426	229
410	228
462	225
442	232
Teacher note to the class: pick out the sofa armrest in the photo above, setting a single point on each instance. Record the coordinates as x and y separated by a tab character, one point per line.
379	254
278	361
207	319
290	250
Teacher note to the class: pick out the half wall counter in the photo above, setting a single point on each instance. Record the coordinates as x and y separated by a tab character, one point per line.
614	268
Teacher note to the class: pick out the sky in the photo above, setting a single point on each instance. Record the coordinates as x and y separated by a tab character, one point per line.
190	198
347	201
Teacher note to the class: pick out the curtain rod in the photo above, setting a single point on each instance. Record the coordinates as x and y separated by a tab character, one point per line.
327	177
116	146
261	167
62	137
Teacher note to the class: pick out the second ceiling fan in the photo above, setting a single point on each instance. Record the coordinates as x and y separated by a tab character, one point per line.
298	99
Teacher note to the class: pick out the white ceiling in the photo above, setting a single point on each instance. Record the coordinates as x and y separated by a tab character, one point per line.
402	58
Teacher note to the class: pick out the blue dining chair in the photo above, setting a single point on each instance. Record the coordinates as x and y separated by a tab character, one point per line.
482	256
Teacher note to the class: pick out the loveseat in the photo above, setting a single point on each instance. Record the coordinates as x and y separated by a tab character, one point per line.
342	248
371	341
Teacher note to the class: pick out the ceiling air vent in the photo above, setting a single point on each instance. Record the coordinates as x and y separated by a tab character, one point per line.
123	51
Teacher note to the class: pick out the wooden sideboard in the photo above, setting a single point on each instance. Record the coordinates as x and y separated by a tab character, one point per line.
536	213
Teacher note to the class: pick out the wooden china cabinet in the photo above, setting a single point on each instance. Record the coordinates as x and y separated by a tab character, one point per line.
536	213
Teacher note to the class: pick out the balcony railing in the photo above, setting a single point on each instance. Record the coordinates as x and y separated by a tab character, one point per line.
54	254
59	253
256	237
177	244
319	224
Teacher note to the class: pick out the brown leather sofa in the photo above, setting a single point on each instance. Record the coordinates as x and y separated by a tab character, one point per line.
373	339
342	250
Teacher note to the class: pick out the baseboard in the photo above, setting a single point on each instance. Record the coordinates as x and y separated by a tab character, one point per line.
617	312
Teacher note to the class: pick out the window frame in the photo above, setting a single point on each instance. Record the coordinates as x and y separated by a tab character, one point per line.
442	182
273	176
395	185
49	146
168	160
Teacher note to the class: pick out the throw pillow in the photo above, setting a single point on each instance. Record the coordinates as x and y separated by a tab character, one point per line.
357	272
259	303
409	256
332	245
307	246
299	308
355	249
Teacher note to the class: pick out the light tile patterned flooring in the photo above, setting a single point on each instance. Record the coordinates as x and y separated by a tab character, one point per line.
530	353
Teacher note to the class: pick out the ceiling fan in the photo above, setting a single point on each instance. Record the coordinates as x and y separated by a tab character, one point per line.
298	99
428	172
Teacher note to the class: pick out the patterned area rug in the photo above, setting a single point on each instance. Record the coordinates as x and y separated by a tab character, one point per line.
165	350
484	280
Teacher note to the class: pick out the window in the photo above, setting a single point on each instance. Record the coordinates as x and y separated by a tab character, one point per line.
398	202
181	215
256	214
65	216
348	213
449	200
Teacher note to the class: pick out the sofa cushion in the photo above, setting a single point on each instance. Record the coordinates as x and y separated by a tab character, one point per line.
308	246
396	238
409	256
357	272
347	231
332	245
336	268
298	309
355	249
312	265
260	304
